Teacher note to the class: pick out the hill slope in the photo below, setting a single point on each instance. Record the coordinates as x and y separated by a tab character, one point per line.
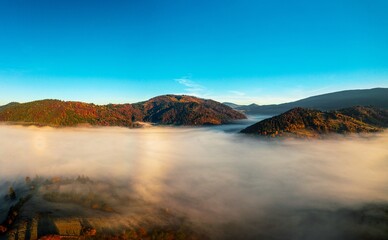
8	105
309	122
61	113
370	115
168	109
377	97
187	110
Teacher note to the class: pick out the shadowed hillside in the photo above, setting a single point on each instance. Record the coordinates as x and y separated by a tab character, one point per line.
377	97
370	115
309	122
187	110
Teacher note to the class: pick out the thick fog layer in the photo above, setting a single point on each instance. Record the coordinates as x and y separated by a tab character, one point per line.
229	184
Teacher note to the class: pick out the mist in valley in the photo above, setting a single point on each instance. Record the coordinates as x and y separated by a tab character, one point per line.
225	185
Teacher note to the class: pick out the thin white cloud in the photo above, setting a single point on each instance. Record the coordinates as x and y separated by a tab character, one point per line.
237	93
235	96
191	87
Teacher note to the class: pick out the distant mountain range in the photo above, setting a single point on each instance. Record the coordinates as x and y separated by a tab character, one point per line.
166	109
377	97
309	116
304	122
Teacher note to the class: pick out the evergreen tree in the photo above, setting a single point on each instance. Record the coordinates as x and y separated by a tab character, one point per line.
12	193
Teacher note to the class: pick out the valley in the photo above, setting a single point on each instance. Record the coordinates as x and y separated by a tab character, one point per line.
192	183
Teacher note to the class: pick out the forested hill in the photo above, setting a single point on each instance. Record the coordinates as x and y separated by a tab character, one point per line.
167	109
187	110
312	123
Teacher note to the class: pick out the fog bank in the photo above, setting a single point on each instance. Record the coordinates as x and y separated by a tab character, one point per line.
231	185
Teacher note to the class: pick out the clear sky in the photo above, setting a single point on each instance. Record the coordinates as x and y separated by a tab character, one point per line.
241	51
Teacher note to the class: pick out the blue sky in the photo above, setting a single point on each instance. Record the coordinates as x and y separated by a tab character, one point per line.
240	51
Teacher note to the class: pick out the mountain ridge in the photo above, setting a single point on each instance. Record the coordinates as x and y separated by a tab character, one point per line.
377	97
165	109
